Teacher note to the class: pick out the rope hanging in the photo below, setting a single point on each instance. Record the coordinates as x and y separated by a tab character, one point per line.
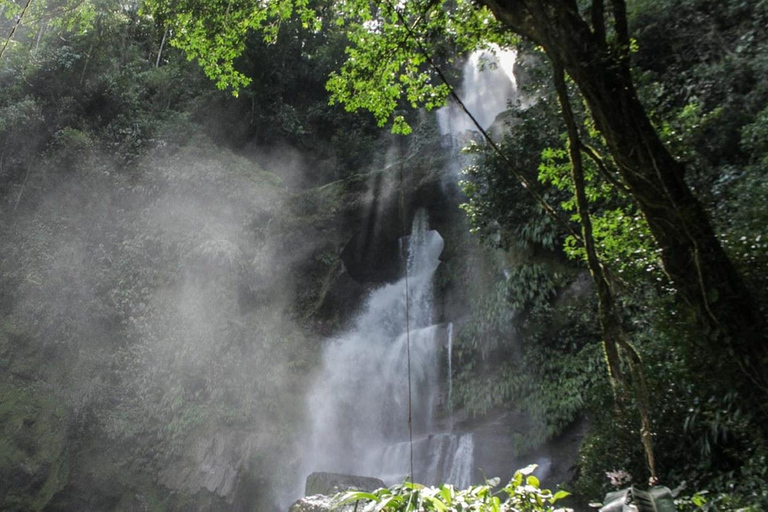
407	304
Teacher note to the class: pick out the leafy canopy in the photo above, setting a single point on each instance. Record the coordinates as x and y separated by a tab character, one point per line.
385	68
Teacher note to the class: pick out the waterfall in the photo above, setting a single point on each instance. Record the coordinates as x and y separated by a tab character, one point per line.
447	458
358	406
461	464
487	85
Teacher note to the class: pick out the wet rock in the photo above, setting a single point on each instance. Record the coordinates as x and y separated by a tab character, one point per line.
497	454
321	488
378	217
319	503
217	464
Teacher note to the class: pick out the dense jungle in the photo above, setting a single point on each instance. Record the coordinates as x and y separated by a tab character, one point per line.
435	241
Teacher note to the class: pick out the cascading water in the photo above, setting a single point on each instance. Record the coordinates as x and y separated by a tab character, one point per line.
488	84
359	404
358	407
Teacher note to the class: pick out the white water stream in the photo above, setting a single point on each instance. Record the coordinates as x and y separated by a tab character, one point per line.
359	404
488	84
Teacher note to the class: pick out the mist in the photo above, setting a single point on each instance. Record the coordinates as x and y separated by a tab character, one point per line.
159	304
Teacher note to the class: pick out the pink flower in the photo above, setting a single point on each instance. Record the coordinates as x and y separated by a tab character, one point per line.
618	477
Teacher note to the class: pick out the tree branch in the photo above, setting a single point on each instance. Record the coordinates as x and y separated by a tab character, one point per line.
15	26
621	27
598	20
603	168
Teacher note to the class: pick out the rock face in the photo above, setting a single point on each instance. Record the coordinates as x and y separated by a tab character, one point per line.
496	453
379	207
217	465
321	487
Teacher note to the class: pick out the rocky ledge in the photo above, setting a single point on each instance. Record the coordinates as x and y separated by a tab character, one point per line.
321	487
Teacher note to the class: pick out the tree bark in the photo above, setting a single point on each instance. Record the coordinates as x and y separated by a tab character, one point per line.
160	51
703	276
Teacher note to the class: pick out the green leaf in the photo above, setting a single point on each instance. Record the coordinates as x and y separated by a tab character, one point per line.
655	499
447	493
349	497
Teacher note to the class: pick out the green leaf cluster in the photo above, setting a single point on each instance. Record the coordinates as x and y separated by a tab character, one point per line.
523	493
215	33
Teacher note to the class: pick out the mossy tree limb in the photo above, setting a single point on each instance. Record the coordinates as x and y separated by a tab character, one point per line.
614	336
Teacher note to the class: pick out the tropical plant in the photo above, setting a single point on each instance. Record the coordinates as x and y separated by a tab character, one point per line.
523	494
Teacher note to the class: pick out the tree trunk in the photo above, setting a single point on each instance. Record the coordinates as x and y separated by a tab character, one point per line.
160	51
693	258
39	35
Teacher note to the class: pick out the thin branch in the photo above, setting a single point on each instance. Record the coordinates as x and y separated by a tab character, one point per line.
602	167
39	36
643	401
21	190
598	20
87	60
15	26
421	16
160	51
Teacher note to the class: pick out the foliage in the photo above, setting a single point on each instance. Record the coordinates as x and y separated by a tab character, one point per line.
618	228
131	88
30	420
523	493
714	125
215	33
490	187
701	436
529	347
124	135
384	66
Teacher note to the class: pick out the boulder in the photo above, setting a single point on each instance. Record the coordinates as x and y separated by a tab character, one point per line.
319	503
321	487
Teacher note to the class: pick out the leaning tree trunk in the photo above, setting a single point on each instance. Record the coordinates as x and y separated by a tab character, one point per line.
692	256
